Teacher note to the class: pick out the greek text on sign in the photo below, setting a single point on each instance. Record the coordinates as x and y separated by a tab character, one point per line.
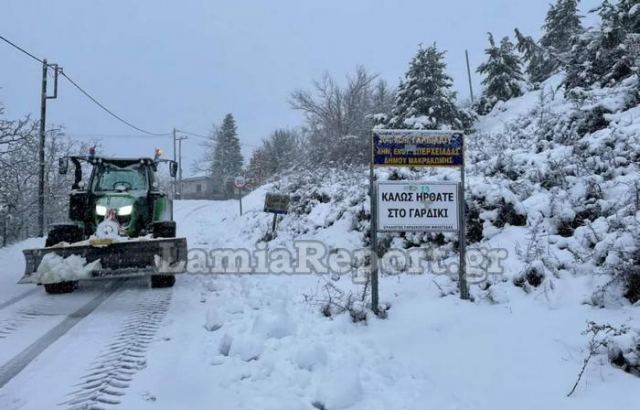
417	206
417	148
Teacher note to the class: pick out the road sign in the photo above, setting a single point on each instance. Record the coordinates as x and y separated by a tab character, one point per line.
417	148
276	203
413	206
239	182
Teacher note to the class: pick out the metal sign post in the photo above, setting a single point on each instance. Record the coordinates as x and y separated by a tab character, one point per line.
373	263
434	207
277	204
462	242
239	182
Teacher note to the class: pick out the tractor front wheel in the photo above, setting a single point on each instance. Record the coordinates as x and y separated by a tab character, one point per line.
59	234
162	281
60	287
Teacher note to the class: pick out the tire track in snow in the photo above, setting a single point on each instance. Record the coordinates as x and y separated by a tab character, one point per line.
110	375
14	366
21	317
193	211
18	298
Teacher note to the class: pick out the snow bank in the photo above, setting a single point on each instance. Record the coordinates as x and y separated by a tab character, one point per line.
274	324
311	357
341	390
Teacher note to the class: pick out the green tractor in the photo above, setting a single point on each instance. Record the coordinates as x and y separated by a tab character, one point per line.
121	226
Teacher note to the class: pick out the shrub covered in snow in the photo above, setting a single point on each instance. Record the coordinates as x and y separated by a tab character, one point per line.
564	166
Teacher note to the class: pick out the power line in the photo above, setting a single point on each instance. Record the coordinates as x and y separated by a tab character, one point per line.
89	96
212	138
21	49
100	136
193	134
114	115
103	107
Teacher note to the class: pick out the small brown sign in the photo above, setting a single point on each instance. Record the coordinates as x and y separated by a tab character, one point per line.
276	203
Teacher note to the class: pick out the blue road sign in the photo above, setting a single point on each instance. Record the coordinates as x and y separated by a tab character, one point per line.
417	148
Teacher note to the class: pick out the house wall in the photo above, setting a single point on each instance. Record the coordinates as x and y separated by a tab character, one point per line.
201	188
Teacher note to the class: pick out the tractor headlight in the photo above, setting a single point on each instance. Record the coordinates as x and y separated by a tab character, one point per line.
125	210
101	210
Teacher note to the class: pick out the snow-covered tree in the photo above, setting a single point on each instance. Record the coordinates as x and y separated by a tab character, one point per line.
540	65
502	73
279	152
611	53
425	98
19	168
259	166
338	118
562	25
382	99
227	157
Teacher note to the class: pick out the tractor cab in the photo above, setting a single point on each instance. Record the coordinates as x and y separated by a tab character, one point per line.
122	190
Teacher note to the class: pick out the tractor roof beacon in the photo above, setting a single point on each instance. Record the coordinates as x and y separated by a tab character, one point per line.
121	224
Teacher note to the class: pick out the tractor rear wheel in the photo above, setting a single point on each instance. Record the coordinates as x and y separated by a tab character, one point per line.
166	229
162	281
60	287
64	233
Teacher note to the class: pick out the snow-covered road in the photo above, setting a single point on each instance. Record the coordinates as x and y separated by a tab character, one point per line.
260	341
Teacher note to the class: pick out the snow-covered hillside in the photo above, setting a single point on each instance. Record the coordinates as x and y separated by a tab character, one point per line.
268	345
557	177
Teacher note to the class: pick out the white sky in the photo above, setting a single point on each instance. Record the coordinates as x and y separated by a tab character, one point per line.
162	64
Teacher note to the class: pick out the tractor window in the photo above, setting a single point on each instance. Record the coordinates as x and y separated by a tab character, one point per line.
112	178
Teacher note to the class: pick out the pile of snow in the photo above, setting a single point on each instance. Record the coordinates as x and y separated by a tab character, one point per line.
55	268
311	357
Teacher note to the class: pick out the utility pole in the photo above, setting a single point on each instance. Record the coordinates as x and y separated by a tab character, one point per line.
43	119
466	53
4	213
180	139
175	189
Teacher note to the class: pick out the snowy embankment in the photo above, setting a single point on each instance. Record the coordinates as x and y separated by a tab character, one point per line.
245	342
12	263
550	183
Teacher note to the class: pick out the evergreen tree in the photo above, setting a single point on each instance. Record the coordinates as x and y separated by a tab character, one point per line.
540	65
620	40
610	54
502	74
227	157
425	99
562	25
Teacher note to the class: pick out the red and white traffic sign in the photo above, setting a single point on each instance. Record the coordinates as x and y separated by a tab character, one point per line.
239	182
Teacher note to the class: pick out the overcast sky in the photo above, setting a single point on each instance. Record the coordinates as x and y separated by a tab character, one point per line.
185	64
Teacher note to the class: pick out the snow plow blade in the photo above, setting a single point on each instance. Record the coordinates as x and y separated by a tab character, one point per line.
117	259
